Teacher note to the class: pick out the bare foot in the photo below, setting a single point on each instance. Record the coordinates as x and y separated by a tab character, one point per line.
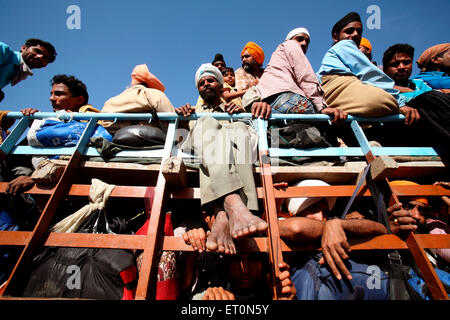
220	237
242	222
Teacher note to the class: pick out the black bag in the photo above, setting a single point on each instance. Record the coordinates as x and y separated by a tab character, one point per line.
88	273
139	136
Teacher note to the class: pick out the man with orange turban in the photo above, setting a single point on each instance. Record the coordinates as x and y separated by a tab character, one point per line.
414	214
248	75
434	64
366	47
145	95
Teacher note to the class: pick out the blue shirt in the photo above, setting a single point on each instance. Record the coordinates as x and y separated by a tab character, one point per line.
419	87
344	58
435	79
9	64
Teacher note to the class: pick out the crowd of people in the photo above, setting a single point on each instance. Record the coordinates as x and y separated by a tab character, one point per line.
348	82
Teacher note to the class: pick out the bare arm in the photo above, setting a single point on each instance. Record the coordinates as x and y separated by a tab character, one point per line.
229	95
403	89
335	247
300	229
363	227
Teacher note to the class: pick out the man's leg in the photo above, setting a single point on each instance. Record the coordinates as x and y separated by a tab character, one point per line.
289	102
226	173
220	238
349	94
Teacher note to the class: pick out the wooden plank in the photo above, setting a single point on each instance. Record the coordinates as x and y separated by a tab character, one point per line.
270	209
75	240
171	243
154	234
289	192
174	172
15	282
432	280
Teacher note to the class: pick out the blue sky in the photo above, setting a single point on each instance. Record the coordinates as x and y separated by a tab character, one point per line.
175	37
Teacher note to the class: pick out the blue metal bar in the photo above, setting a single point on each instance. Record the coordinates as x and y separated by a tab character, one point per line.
9	145
170	139
90	151
87	133
173	116
261	129
361	137
351	151
15	134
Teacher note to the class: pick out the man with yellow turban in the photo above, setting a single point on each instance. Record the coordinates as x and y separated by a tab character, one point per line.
145	95
434	64
248	75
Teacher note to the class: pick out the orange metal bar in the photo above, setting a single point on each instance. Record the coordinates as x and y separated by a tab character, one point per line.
171	243
289	192
270	209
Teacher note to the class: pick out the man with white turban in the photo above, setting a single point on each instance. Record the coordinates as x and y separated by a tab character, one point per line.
302	36
289	83
309	219
227	152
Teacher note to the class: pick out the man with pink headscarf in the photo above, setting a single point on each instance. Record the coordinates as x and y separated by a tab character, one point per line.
146	94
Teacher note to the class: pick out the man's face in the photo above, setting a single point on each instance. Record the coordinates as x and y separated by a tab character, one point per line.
352	31
417	210
400	67
35	57
364	50
229	77
248	62
245	270
304	40
317	211
220	65
62	99
443	60
209	89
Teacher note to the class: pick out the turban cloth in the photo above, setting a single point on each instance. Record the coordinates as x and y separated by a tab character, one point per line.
366	43
350	17
297	31
295	206
409	183
218	57
430	53
141	74
255	51
207	69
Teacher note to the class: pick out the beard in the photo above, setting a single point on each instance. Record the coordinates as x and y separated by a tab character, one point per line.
209	96
247	67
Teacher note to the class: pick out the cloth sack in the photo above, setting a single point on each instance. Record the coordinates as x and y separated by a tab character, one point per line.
98	196
88	273
47	172
50	132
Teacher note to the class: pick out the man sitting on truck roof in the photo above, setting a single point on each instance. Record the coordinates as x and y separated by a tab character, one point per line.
226	151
